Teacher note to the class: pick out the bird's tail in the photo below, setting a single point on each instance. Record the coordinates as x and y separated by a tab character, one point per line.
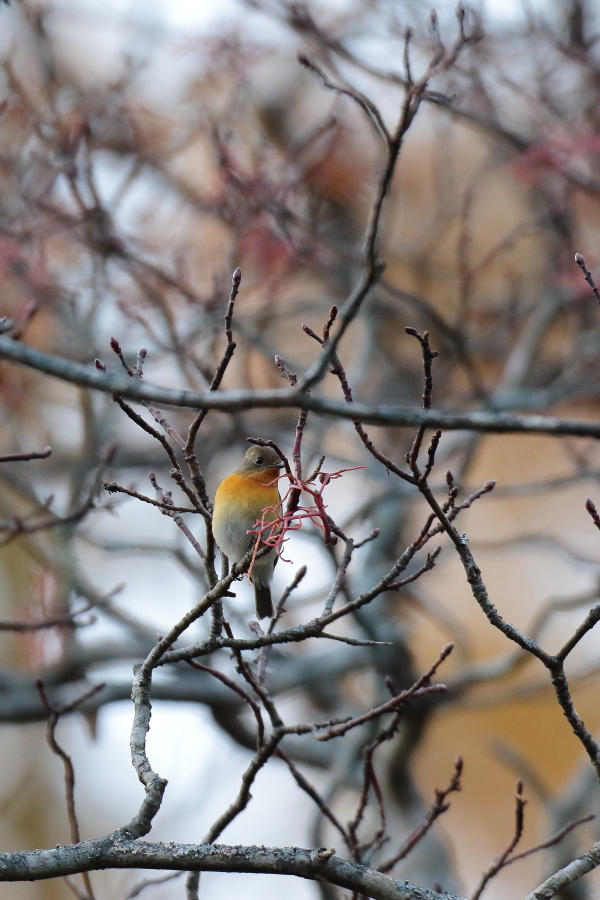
264	604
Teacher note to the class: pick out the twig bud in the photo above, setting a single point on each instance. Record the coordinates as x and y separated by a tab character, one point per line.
115	345
431	558
308	330
490	485
237	277
412	331
579	259
285	372
591	508
100	365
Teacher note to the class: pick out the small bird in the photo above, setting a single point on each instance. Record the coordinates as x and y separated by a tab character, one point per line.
239	503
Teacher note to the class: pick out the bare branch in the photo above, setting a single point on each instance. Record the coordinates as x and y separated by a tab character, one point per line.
587	275
149	882
24	457
500	862
568	875
438	807
552	841
231	401
114	488
319	864
225	360
53	717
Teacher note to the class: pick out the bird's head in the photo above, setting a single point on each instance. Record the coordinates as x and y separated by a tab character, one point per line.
259	460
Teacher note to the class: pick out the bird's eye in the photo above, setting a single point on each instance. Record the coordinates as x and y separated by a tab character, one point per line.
259	460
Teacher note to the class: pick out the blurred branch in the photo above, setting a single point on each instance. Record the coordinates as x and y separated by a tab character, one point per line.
231	401
442	60
24	457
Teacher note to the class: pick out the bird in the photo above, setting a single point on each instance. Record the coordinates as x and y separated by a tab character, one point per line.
239	503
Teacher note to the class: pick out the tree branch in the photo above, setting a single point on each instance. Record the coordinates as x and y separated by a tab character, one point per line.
231	401
570	873
115	852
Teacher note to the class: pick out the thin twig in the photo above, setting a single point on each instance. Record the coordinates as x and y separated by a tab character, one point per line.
24	457
437	808
587	275
150	882
500	861
58	622
224	679
225	359
112	488
552	841
54	714
418	689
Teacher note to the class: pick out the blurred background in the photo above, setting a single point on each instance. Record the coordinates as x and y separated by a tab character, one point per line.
146	150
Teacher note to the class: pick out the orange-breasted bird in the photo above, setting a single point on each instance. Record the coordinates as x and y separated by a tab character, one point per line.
239	503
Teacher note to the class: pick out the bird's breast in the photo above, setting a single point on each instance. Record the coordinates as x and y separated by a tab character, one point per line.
239	503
